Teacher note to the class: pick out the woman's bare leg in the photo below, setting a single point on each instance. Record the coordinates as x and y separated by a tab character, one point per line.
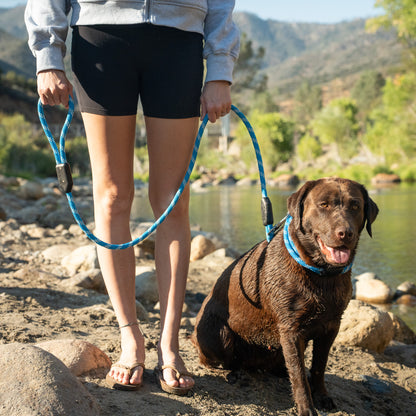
170	144
111	148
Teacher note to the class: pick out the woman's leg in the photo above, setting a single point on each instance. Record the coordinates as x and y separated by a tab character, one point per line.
170	143
111	148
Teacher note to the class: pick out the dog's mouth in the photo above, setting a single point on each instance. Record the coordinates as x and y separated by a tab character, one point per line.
334	255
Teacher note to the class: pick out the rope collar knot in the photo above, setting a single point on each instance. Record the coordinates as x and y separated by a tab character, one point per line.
293	251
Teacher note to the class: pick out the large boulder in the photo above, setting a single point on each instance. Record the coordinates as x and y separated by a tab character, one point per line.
34	382
81	259
369	288
79	356
146	286
365	326
201	246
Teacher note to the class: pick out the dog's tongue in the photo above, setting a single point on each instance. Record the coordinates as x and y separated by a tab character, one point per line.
338	255
335	255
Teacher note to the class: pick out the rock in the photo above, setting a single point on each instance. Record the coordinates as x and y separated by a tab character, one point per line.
402	332
383	178
375	385
201	247
408	300
227	181
146	286
402	353
246	182
79	356
365	326
30	190
372	290
406	288
82	258
34	382
57	252
89	279
286	181
141	312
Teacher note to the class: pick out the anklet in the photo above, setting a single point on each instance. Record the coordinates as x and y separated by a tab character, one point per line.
129	324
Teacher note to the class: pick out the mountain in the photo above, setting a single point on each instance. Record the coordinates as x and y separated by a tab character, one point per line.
320	53
15	55
12	22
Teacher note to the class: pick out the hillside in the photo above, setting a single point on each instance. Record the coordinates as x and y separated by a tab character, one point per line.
320	53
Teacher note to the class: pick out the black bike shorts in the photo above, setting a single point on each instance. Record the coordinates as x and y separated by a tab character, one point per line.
114	65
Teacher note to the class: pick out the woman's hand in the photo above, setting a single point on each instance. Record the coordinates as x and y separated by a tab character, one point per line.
215	100
54	87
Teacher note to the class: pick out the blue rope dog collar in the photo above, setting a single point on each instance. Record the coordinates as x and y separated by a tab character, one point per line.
291	248
65	177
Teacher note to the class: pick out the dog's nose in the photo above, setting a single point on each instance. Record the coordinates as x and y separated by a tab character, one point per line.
344	233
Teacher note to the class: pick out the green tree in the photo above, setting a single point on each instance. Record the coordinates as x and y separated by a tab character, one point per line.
392	129
247	67
367	91
336	125
308	148
275	136
308	101
401	16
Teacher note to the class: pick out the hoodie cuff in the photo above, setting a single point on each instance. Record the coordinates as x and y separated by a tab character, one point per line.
49	58
219	68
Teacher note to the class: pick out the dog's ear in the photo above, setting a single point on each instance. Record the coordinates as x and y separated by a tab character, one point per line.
295	203
370	210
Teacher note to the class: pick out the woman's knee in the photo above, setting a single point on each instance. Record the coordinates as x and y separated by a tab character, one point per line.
112	201
160	202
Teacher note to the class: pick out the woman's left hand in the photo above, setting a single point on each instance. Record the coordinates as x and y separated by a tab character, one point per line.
215	100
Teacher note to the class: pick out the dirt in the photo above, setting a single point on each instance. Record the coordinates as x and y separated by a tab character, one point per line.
37	305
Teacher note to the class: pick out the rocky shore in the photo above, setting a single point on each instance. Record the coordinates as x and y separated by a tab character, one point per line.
58	333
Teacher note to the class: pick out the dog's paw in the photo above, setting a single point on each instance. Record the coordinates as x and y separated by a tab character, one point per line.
323	401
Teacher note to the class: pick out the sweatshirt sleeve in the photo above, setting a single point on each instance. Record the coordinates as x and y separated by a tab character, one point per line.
47	25
222	40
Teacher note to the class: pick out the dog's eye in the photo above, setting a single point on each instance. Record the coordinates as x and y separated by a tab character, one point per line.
324	205
355	206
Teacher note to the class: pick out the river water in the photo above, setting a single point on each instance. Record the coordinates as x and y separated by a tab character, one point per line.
233	213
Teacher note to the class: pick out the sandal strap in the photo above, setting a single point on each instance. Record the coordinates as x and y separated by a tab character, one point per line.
129	368
177	372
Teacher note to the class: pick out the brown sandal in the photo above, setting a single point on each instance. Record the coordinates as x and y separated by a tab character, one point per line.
179	391
114	384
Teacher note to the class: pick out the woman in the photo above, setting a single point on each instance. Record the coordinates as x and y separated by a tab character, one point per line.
123	50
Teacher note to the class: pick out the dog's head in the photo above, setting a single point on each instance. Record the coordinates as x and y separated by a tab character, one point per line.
328	217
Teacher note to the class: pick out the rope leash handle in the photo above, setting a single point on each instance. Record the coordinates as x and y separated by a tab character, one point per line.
65	177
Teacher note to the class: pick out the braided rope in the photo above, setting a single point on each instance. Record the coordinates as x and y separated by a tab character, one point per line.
60	158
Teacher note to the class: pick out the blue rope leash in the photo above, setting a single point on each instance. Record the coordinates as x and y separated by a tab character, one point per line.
65	178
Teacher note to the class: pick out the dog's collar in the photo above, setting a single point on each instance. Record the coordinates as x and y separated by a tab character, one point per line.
291	248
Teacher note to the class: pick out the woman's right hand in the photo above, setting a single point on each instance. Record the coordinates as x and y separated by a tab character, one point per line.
54	87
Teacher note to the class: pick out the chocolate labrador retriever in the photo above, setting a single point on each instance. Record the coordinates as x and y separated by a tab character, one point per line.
273	300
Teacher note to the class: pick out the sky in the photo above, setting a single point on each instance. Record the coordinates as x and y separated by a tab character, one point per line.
316	11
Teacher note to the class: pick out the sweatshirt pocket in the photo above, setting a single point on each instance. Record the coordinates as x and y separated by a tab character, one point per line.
200	5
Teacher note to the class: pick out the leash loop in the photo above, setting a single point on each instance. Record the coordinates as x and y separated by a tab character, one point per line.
65	181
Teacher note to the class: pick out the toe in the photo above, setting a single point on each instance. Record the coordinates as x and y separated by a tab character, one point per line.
186	382
137	375
170	377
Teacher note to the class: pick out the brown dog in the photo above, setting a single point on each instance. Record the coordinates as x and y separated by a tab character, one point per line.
268	305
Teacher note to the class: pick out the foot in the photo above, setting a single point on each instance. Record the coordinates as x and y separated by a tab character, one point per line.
171	360
132	353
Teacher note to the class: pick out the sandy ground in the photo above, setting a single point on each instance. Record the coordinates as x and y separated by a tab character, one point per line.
36	305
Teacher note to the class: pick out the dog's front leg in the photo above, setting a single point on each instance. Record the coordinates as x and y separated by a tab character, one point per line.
293	351
321	347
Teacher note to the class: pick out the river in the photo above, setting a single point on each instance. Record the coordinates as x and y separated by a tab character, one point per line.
233	213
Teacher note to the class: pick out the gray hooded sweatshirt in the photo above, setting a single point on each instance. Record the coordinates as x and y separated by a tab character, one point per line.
47	25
